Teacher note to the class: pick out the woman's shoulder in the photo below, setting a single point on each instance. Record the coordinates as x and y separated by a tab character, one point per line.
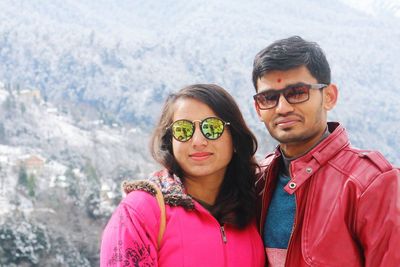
169	186
139	194
141	197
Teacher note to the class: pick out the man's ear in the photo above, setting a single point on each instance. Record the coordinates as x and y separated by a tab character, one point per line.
258	111
331	94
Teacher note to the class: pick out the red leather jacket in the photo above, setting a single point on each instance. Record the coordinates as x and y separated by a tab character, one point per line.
347	205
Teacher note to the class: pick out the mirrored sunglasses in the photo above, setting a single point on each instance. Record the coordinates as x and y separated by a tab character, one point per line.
212	128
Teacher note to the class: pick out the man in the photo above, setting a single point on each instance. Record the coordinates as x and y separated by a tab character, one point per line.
322	202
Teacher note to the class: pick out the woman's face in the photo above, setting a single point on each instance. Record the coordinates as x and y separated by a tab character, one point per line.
200	157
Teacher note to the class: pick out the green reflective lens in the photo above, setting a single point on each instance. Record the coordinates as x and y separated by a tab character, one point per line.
212	128
182	130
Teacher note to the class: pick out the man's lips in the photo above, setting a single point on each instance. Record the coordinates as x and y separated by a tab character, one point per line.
200	155
286	122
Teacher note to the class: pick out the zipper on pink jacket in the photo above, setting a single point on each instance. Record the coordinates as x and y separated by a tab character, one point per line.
224	240
221	229
223	234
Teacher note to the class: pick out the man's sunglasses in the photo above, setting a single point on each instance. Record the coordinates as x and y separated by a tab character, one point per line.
294	94
211	127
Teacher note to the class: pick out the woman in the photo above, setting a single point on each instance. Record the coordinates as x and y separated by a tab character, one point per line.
207	184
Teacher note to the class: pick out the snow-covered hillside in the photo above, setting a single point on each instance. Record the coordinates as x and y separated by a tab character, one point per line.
124	57
83	83
54	167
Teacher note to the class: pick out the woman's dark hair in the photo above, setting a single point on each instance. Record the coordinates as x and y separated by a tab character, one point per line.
291	53
235	203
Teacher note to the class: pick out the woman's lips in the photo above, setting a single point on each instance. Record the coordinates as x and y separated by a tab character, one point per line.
200	155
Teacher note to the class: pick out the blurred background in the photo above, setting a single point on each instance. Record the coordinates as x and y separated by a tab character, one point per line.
82	84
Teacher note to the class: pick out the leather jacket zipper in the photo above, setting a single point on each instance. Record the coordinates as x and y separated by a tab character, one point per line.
291	234
294	224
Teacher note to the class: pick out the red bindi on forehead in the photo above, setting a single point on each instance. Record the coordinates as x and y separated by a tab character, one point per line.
278	80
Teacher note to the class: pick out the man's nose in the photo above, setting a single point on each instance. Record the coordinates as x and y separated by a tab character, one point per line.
283	105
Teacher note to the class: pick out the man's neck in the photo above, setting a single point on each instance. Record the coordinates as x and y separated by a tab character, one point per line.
296	150
287	159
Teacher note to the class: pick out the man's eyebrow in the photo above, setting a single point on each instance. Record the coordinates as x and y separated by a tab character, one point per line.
284	88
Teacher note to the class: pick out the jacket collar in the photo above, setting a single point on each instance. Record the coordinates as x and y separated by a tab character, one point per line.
170	185
305	166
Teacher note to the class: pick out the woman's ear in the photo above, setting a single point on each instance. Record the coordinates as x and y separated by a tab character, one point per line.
331	94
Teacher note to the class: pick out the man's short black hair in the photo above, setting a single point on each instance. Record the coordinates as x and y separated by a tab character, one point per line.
291	53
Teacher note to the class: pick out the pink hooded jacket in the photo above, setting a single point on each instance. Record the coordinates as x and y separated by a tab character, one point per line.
193	237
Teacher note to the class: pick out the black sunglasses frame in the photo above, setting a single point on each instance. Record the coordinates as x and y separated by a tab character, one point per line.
193	123
279	92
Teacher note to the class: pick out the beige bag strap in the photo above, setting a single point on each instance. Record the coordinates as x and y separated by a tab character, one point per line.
160	200
134	185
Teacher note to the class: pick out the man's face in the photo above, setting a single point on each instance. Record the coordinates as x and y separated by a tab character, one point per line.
296	126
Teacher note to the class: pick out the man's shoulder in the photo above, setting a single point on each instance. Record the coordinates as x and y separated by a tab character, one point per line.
377	159
364	158
362	165
264	163
351	158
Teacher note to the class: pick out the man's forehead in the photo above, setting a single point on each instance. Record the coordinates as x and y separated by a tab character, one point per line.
275	83
280	79
280	88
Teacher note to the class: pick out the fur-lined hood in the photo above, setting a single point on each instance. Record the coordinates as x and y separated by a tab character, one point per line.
170	185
